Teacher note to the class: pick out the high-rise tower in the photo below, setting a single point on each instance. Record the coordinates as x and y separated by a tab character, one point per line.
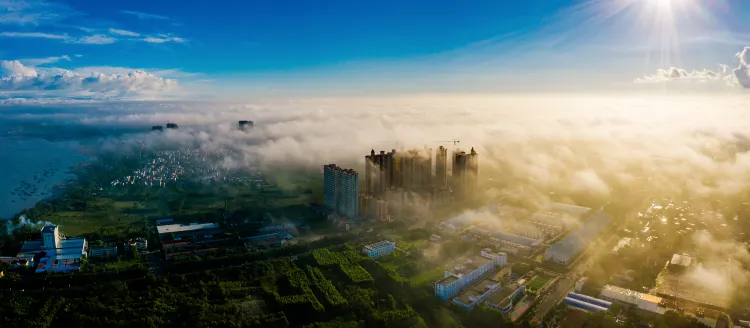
380	172
441	168
465	173
340	190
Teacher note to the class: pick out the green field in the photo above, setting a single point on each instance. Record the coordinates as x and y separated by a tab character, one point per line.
538	282
105	214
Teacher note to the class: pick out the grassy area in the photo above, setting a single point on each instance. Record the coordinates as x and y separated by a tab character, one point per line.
428	276
538	282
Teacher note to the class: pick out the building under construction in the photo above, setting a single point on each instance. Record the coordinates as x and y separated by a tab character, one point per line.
410	171
393	176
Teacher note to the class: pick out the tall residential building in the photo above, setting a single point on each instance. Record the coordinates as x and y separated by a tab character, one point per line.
465	173
416	169
379	172
340	190
441	168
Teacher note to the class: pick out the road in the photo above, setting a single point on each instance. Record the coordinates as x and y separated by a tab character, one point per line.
561	289
566	282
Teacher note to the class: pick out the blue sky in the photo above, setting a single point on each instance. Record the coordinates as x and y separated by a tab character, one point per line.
238	47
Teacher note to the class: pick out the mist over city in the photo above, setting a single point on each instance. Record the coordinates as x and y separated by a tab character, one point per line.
574	164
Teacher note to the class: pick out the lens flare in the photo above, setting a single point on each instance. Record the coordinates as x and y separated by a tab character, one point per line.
658	26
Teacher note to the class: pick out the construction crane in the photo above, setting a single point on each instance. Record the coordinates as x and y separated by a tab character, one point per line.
455	142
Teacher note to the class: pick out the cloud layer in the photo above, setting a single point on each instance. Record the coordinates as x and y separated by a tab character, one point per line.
532	148
738	77
23	80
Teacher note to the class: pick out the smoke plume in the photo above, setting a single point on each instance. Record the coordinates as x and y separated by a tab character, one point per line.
23	221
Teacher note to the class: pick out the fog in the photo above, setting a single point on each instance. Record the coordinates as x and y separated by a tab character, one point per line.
532	147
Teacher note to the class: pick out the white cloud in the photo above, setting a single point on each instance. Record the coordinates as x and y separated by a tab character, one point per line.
744	56
78	55
21	79
14	68
42	61
143	15
96	39
739	76
34	35
164	39
123	32
35	12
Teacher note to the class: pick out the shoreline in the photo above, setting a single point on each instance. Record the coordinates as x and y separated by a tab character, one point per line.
65	178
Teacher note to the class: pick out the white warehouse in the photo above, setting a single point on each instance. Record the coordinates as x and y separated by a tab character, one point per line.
643	301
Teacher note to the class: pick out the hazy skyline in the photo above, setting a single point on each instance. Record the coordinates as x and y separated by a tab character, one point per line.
188	50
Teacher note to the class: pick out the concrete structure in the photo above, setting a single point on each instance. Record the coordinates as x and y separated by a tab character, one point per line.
58	254
509	239
476	294
643	301
177	228
384	247
679	263
567	249
380	171
441	168
467	272
102	252
340	190
504	300
465	173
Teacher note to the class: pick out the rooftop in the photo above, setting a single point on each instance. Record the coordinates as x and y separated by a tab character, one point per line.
469	265
49	228
447	280
499	298
472	293
185	227
521	240
338	168
683	260
382	243
578	239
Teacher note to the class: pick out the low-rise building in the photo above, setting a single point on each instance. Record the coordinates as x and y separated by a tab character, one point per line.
643	301
384	247
467	272
504	299
57	253
476	294
515	241
140	243
567	249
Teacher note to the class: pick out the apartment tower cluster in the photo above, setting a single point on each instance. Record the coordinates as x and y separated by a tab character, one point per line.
398	179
